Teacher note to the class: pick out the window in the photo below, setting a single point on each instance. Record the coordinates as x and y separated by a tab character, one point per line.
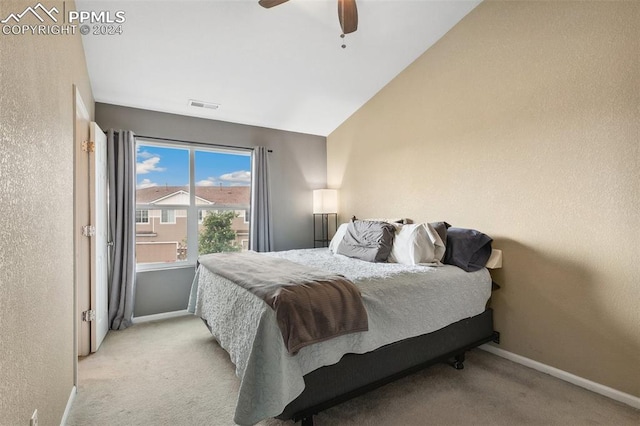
189	200
142	216
168	216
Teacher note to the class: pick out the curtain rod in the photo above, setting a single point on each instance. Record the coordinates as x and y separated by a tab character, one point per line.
196	143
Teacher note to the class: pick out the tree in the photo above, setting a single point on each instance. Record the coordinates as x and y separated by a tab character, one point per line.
216	235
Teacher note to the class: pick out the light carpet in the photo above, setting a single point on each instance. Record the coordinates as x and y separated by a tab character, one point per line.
172	372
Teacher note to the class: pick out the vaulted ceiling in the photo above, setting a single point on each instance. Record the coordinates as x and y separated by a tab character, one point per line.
282	68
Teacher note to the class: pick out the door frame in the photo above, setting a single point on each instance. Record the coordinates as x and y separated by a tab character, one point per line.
82	120
79	112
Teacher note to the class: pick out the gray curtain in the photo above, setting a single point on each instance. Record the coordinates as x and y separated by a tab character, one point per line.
261	237
121	159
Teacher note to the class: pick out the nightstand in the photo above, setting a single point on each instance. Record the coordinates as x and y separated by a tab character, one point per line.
324	226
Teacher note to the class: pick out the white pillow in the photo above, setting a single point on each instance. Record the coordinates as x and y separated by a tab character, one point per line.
412	245
337	238
439	246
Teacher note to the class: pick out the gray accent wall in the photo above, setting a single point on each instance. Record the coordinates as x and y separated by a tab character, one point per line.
165	290
298	166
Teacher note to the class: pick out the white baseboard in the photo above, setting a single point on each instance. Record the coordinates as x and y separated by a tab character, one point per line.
164	315
67	410
614	394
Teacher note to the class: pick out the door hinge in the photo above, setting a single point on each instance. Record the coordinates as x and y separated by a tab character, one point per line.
89	231
88	146
89	315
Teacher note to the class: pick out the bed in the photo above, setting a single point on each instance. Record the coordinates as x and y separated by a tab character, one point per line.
418	314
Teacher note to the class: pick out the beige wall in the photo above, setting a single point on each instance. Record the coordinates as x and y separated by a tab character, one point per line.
36	220
523	122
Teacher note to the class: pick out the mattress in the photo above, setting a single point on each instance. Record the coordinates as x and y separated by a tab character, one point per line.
402	301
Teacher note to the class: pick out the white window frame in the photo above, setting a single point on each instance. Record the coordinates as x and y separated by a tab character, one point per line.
142	222
191	208
172	222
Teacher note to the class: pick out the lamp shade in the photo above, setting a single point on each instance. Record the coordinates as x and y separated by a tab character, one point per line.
325	201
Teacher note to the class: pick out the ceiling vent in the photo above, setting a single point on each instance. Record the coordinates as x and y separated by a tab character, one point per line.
201	104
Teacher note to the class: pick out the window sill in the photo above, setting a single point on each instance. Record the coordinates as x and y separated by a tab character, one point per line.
149	267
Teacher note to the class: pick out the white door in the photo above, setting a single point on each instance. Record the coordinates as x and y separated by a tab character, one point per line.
99	249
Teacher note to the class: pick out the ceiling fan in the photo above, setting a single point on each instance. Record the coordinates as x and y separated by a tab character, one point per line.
347	13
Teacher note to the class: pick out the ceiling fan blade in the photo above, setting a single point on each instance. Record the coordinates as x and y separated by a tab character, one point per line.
348	15
270	3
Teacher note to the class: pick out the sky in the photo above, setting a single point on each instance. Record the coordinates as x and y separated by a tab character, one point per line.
157	166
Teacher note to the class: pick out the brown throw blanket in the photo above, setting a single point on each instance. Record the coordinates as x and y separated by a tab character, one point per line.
311	305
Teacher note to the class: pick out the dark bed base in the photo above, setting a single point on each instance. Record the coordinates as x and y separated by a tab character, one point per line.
356	374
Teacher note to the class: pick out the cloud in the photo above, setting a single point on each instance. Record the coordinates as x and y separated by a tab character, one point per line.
149	165
237	178
241	176
143	154
146	183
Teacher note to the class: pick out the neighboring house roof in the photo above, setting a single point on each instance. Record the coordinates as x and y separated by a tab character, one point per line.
227	196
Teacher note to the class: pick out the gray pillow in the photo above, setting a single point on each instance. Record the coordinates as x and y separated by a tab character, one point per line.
467	248
367	240
441	229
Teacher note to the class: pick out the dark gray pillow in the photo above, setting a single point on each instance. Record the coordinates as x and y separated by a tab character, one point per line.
467	249
367	240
